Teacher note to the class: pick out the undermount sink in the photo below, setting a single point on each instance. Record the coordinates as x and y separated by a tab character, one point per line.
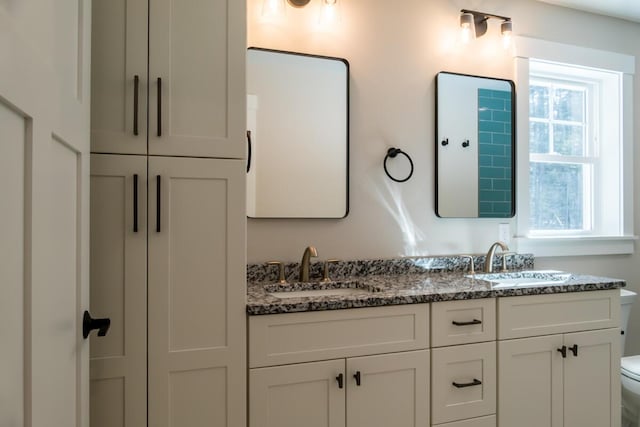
318	289
515	279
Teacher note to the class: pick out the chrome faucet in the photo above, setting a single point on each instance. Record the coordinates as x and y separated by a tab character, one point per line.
309	252
488	261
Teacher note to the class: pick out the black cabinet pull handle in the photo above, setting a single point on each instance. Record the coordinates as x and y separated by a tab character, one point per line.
136	89
340	379
135	203
563	351
472	322
89	324
357	377
471	384
159	83
574	349
465	143
158	188
445	142
248	150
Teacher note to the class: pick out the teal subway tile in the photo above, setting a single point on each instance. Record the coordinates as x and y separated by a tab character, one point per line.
485	207
484	92
485	137
502	207
487	172
500	138
501	94
507	105
485	114
491	196
485	160
491	149
492	126
501	161
493	103
485	183
501	116
501	184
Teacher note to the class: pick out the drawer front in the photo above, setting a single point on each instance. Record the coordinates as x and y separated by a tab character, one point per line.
301	337
463	322
489	421
526	316
472	367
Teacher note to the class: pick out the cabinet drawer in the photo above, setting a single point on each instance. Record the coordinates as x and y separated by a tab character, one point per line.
302	337
525	316
463	382
489	421
463	322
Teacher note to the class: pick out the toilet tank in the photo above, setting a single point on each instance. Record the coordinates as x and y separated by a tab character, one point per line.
627	298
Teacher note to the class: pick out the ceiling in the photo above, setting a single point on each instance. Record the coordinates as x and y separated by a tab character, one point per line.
625	9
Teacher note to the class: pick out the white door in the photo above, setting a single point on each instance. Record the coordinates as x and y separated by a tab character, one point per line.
530	382
388	390
44	185
592	379
303	394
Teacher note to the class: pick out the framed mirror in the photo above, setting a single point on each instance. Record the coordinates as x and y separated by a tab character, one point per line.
298	135
475	147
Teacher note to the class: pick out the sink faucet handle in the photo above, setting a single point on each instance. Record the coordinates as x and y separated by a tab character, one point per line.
504	259
280	265
325	269
471	263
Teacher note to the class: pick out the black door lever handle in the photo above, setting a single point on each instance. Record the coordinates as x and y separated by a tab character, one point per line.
89	324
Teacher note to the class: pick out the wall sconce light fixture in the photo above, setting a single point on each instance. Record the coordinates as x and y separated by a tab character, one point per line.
473	24
276	8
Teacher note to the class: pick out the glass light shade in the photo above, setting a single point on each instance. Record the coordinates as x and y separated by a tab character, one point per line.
273	9
467	27
329	13
506	29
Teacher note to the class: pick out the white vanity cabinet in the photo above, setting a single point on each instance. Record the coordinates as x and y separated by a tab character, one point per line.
377	373
559	360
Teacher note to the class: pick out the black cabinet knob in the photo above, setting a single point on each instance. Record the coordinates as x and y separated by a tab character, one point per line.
89	324
563	351
357	377
340	379
574	349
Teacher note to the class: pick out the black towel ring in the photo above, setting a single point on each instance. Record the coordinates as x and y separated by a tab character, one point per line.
393	152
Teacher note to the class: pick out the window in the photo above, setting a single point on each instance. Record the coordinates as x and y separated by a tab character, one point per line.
572	145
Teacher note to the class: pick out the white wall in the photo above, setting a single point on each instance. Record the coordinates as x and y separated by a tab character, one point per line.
395	49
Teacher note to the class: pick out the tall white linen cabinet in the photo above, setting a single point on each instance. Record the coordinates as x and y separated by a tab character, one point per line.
168	221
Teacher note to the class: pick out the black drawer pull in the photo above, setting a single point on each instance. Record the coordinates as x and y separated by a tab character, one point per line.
159	99
340	379
158	203
574	349
136	90
473	322
563	351
357	377
135	203
471	384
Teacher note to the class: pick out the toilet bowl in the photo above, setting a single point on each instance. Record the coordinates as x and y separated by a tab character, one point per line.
629	369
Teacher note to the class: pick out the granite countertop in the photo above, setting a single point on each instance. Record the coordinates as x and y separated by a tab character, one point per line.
407	286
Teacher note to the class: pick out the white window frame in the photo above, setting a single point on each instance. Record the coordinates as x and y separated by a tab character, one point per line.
618	241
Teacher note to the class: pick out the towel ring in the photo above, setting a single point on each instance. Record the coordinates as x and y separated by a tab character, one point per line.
393	152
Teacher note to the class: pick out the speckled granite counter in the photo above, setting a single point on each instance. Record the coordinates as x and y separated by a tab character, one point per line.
401	281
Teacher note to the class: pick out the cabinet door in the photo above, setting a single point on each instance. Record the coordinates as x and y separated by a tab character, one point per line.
305	394
592	379
118	57
119	290
530	382
197	78
196	292
388	390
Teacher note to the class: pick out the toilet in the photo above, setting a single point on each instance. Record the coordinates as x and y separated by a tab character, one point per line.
629	369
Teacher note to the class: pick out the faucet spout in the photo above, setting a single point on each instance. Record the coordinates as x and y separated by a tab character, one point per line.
488	262
309	252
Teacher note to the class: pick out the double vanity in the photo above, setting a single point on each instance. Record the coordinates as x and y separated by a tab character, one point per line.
423	342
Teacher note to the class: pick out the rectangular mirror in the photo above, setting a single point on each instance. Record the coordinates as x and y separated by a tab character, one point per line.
475	147
298	135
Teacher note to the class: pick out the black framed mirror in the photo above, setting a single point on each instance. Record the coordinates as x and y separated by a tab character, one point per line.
298	119
475	146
